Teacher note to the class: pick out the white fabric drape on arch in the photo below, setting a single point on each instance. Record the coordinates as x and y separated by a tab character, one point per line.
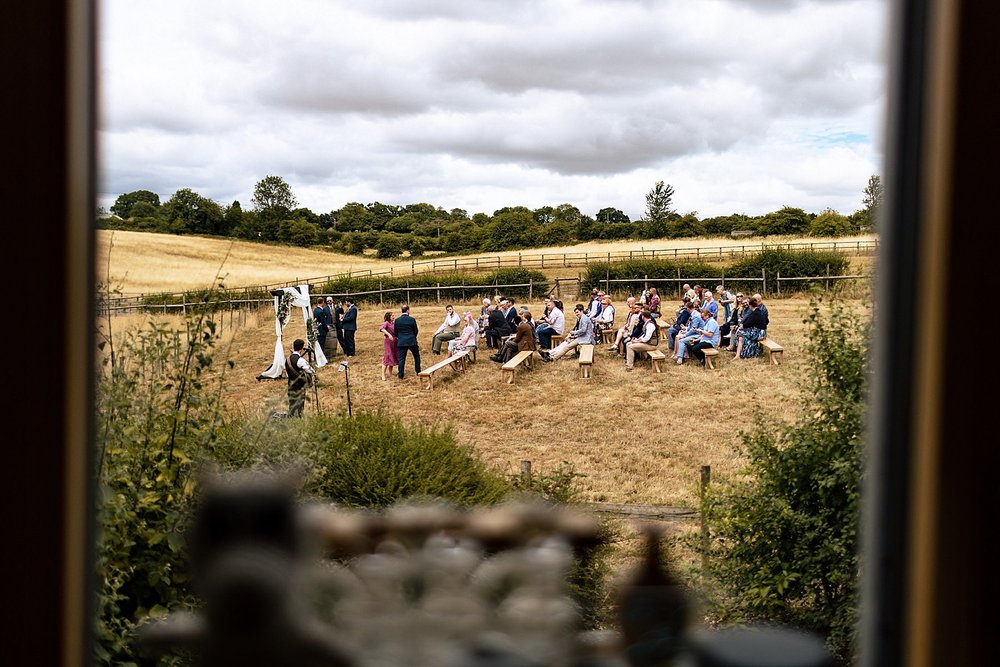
300	300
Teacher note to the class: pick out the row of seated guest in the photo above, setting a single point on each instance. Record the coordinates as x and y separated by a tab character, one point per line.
697	326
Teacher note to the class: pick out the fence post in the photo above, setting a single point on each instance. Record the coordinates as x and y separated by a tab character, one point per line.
827	278
477	263
526	470
407	291
564	260
645	282
530	288
679	279
779	283
438	292
543	260
413	272
519	258
723	279
763	282
380	301
706	479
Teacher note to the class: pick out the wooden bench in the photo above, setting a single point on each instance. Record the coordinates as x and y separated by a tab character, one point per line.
586	360
710	355
556	339
456	361
657	357
775	351
523	358
608	336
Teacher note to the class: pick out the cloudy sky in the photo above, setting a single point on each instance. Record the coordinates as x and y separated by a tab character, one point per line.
742	105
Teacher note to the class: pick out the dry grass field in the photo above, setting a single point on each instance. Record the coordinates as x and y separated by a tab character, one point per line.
636	437
138	262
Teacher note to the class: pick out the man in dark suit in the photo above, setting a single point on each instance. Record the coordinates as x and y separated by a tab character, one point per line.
320	320
510	313
349	323
406	340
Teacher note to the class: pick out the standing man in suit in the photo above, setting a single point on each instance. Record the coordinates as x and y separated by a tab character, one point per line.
320	319
350	326
406	340
334	339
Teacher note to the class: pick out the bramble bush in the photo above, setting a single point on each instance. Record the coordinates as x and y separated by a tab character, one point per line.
785	535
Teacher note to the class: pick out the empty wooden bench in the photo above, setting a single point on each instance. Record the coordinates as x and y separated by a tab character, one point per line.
586	360
507	371
711	354
456	361
608	336
775	351
657	357
556	339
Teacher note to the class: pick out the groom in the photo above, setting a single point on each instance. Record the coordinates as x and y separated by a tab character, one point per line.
406	340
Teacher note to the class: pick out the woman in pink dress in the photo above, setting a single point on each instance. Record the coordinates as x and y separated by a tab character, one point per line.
390	354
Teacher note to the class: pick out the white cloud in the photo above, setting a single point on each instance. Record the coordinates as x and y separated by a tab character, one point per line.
742	105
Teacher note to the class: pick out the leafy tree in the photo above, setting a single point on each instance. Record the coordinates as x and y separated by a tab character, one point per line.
787	220
125	203
416	247
722	225
611	216
686	226
873	193
389	246
658	211
143	209
830	223
232	219
304	213
188	212
381	214
785	535
298	232
273	198
353	217
872	200
511	228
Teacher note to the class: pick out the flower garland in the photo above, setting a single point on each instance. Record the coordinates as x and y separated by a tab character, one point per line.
311	334
285	307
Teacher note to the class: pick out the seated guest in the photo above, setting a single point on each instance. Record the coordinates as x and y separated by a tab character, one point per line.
469	337
582	334
605	318
497	328
510	312
752	330
595	297
710	303
683	315
523	340
484	315
525	315
727	300
709	336
653	306
688	336
732	323
645	342
688	292
553	324
449	329
763	312
596	306
632	320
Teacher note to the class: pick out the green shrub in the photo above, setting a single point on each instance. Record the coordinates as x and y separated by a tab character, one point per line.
662	274
369	460
789	263
785	537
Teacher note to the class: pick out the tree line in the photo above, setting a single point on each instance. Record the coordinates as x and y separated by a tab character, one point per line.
390	229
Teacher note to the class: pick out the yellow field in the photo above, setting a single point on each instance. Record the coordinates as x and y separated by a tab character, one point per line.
137	262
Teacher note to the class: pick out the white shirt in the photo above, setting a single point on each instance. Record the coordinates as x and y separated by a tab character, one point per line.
557	320
450	322
607	315
647	332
